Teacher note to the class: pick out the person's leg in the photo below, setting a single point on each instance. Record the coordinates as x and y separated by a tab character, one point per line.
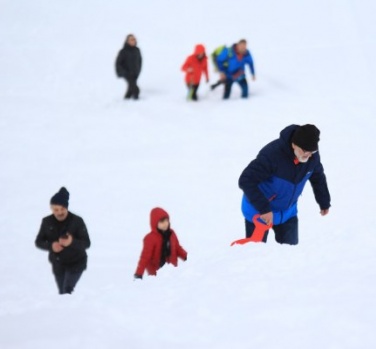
213	86
128	93
287	233
70	280
249	229
194	92
59	274
135	91
227	91
244	86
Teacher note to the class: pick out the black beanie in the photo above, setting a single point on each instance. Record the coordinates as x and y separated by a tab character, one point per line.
306	137
61	198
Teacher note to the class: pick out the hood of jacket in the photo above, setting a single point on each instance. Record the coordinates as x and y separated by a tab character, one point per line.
199	49
156	215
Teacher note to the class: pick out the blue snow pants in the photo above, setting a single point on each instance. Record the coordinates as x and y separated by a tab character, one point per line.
242	83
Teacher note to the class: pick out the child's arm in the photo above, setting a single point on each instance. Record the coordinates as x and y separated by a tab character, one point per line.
186	67
251	65
182	253
145	258
206	70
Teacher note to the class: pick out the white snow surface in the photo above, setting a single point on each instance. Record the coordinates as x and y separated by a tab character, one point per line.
63	122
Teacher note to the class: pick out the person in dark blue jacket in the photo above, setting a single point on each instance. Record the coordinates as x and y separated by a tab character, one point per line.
273	182
231	62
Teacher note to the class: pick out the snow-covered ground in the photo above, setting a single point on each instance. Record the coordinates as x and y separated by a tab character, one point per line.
63	122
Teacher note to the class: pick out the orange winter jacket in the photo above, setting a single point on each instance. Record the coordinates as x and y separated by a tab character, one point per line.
194	67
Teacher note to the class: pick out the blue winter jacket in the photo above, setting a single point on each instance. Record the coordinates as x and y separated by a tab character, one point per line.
273	182
228	62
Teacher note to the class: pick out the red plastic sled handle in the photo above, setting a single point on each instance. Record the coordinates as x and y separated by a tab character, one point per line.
258	233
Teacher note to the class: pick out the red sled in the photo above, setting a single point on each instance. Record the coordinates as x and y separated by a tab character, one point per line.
258	233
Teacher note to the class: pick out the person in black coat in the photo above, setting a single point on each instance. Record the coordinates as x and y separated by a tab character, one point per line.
65	236
128	66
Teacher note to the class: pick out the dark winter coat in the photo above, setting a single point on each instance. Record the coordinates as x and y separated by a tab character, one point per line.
274	181
150	258
129	62
74	256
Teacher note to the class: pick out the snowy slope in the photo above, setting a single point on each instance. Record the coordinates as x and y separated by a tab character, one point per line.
63	122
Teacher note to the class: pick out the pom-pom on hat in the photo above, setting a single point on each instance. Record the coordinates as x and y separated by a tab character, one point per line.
306	137
61	198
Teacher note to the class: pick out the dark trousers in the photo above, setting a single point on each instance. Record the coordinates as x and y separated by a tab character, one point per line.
66	278
218	83
242	83
192	92
286	233
133	90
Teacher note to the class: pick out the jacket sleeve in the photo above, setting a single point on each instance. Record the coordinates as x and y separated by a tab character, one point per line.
206	70
139	62
256	172
41	240
320	187
186	65
250	63
118	65
81	240
181	252
145	257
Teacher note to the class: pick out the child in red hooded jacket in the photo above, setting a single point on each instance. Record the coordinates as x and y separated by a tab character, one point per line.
194	66
161	245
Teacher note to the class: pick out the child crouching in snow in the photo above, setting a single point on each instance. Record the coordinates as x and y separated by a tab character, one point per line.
161	245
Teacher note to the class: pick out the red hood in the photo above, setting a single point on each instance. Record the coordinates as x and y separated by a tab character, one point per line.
156	215
199	49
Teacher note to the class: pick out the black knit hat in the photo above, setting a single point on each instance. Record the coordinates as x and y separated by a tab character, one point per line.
61	198
306	137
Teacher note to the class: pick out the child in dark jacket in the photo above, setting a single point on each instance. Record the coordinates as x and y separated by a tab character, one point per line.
194	66
161	245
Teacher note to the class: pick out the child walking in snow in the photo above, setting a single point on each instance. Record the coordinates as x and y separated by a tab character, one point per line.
161	245
194	66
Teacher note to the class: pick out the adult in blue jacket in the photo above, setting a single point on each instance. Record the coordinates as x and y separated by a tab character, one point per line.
231	64
273	182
